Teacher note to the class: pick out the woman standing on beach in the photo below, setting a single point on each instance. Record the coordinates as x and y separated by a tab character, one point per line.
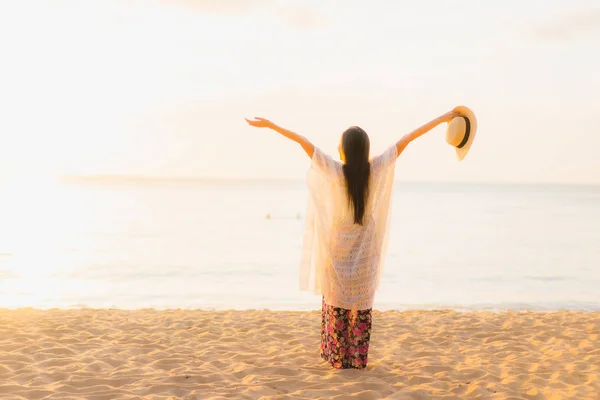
346	233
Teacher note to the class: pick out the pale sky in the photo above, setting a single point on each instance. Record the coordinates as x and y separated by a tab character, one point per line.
161	88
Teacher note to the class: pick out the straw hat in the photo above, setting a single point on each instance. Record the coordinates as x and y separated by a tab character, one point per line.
460	132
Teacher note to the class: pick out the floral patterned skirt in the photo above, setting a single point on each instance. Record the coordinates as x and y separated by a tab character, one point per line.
345	336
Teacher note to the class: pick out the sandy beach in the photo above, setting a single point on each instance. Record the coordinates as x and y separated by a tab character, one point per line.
103	354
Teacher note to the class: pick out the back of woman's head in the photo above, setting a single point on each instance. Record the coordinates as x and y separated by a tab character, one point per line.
355	146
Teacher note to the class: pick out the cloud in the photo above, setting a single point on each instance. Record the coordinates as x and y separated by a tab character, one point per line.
569	26
301	18
233	7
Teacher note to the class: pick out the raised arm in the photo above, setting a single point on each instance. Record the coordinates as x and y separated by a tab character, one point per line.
409	137
308	147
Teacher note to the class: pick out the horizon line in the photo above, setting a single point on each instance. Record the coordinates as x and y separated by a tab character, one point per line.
200	179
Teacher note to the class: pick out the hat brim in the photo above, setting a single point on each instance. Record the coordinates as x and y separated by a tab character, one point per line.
467	113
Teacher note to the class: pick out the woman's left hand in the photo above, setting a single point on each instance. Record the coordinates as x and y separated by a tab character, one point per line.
449	116
260	122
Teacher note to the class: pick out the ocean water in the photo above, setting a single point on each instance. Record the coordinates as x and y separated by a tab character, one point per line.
236	245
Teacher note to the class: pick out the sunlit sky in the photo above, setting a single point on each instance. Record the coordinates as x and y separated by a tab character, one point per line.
161	88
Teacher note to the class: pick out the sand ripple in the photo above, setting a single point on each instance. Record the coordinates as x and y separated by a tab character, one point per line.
176	354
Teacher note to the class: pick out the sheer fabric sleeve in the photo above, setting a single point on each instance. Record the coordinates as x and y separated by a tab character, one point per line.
324	164
383	171
322	176
384	164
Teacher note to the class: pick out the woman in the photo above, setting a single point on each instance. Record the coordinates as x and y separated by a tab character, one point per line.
345	238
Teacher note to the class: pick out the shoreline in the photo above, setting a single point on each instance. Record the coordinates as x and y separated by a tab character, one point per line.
202	354
492	308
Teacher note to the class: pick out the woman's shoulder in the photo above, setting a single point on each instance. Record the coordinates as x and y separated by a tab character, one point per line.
387	157
323	162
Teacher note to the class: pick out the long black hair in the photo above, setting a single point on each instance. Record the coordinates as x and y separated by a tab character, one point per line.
355	144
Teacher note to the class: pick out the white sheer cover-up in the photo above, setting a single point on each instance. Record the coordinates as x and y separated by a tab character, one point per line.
342	260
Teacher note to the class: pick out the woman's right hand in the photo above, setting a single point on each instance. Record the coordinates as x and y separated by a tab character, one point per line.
301	140
260	122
